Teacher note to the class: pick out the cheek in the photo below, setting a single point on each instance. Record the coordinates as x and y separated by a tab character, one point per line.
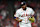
24	6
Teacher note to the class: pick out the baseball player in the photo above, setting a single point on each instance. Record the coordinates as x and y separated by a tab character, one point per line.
23	14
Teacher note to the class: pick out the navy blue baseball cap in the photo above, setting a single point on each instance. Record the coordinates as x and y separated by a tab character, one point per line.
23	3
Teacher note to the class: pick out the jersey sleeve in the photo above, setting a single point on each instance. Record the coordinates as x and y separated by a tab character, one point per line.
17	14
32	12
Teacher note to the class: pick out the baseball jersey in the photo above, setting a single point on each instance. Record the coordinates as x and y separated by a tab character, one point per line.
24	14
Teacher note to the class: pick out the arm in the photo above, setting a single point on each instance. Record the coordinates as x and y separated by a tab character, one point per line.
32	19
17	19
16	16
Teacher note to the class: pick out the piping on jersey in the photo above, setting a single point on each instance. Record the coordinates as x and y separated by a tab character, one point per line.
26	15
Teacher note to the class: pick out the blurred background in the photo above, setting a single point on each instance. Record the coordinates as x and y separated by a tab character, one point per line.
8	8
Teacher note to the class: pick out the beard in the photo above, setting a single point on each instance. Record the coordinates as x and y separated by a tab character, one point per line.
24	8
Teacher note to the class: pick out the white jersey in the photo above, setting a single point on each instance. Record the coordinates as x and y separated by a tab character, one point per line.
24	14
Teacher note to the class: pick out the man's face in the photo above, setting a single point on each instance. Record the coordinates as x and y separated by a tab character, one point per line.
24	6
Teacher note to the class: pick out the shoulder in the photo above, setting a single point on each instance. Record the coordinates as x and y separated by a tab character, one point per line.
18	10
29	8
